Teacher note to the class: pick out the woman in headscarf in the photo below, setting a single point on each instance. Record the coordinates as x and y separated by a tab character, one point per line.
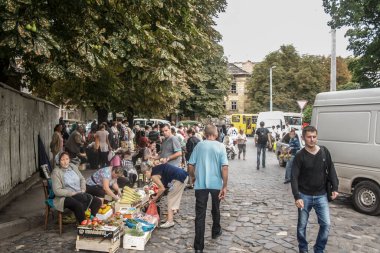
69	187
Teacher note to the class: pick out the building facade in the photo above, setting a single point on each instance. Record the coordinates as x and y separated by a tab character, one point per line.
237	100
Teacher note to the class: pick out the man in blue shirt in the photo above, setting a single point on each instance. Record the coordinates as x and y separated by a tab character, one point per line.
208	166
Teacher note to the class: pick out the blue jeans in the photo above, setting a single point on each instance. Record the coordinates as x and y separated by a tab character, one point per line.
321	207
288	172
261	147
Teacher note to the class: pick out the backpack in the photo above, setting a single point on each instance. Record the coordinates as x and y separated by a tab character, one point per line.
190	145
262	135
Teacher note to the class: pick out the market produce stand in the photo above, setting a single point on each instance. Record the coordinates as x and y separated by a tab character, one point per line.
119	224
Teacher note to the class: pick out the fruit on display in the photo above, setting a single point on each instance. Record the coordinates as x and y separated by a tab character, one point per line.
87	213
104	209
130	196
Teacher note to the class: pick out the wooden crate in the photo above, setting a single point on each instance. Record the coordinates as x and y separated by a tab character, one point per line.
98	244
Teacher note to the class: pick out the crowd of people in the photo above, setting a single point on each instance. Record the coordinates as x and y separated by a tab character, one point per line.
175	157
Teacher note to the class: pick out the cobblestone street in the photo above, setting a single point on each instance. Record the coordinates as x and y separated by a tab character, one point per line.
258	215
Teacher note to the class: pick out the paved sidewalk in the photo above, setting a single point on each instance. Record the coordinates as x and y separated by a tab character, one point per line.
25	212
258	215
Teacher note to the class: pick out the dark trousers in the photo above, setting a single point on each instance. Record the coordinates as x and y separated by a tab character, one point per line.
261	147
79	203
103	159
98	191
201	197
95	190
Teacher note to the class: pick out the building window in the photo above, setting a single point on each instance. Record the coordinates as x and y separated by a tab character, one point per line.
233	105
233	87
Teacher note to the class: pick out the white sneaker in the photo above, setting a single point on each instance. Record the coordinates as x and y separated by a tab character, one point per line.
167	224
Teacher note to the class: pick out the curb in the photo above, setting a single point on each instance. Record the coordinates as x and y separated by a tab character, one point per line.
19	190
15	227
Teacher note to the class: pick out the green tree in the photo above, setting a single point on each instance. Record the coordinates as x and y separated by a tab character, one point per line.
307	113
363	18
295	77
137	56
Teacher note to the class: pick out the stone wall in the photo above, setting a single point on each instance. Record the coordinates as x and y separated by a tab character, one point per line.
22	118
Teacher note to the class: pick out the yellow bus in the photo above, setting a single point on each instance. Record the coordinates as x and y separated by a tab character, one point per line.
247	122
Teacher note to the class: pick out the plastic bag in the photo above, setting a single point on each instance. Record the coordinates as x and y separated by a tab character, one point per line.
153	211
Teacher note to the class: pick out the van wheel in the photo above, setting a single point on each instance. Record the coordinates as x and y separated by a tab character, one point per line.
366	198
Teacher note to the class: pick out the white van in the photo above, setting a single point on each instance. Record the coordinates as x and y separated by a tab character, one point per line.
275	118
152	122
348	124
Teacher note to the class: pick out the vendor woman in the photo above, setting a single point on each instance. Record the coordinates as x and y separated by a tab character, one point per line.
69	187
174	178
101	182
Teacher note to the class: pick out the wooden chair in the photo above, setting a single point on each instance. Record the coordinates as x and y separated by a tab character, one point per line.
49	207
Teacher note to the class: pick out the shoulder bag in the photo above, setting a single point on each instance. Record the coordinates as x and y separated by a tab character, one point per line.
328	182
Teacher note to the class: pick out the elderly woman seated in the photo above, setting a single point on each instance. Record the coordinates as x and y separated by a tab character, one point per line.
69	187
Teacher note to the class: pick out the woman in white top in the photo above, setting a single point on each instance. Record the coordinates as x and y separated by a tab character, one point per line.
104	145
242	143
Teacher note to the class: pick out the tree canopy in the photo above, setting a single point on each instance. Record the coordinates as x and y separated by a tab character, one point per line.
363	19
143	57
295	78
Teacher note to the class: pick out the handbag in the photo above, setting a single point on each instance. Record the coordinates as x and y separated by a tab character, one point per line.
328	182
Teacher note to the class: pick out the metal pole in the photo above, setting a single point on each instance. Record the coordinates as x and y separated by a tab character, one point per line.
270	89
333	61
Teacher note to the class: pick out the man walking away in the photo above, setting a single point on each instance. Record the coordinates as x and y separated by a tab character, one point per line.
294	146
312	166
261	138
208	165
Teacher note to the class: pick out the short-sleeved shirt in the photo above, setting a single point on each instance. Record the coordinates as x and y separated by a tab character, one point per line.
71	180
241	139
97	177
169	173
170	146
103	135
128	166
208	157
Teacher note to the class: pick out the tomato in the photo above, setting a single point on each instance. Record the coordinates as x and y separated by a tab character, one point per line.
84	222
95	219
88	222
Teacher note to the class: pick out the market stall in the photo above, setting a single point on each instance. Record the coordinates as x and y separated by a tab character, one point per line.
128	223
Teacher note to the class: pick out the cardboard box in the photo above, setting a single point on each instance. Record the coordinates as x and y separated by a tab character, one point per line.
136	242
104	216
107	232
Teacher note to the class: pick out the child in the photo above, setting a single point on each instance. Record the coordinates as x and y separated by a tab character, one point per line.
129	170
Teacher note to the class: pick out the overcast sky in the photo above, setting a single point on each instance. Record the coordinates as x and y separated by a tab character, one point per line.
253	28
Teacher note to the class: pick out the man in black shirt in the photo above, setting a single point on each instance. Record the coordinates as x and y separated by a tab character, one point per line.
261	139
309	188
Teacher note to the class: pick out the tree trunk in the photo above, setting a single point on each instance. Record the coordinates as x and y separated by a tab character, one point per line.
102	115
130	115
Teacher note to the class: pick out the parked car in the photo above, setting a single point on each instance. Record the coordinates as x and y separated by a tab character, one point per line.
151	122
188	123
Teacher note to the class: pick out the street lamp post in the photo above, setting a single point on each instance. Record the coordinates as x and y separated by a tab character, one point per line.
270	88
